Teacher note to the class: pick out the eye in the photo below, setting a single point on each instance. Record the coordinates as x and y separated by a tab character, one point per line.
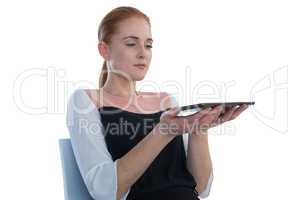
149	46
130	45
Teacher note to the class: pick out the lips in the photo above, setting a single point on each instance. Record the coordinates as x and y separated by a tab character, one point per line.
140	66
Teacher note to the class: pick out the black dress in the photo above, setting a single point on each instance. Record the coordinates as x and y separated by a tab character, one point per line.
167	177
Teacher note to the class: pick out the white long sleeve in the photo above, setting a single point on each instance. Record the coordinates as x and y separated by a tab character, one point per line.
205	193
95	163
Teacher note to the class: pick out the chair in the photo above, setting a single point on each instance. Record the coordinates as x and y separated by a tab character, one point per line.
74	186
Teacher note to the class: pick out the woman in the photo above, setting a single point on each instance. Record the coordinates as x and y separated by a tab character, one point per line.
148	160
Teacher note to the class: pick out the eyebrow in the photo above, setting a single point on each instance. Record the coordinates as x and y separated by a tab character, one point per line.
136	38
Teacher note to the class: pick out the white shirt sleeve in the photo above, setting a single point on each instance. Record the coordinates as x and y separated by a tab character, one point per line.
205	193
95	163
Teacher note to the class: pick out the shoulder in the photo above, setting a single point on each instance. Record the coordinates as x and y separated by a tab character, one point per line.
80	107
94	95
79	94
82	98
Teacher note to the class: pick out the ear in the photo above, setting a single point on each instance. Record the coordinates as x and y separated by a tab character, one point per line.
103	49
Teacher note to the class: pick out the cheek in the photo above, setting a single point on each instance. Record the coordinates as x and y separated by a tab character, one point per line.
150	55
122	58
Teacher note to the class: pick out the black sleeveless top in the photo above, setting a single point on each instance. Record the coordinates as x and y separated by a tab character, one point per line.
167	176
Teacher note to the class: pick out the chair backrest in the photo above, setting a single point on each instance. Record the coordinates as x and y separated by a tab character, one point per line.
74	186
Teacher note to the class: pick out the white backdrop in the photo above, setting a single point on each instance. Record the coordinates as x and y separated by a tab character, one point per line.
210	50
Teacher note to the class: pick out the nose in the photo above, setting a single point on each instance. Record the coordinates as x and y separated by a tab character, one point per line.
141	52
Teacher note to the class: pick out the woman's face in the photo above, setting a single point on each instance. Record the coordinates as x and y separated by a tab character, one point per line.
130	46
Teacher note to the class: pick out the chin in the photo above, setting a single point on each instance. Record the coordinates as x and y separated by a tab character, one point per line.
138	77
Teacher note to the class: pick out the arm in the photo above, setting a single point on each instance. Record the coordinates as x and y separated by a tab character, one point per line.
199	162
133	164
93	159
104	178
198	158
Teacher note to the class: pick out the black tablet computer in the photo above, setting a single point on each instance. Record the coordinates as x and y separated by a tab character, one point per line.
193	108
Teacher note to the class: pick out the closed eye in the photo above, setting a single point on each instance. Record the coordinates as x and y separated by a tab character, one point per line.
130	45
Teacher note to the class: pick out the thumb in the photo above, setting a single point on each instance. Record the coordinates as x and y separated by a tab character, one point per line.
173	111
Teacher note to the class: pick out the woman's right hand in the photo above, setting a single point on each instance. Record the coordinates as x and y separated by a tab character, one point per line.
170	124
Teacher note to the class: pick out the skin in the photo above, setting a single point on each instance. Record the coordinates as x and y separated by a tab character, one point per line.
121	55
199	161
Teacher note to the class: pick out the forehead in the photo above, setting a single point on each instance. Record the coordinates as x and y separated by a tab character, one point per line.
134	27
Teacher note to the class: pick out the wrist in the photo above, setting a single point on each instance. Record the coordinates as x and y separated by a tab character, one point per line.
203	135
163	131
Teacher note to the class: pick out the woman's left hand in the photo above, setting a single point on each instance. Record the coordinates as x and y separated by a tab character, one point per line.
229	113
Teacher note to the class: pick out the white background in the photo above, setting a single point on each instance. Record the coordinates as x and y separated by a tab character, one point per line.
48	48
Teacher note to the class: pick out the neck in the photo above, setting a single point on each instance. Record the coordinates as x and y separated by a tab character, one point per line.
120	86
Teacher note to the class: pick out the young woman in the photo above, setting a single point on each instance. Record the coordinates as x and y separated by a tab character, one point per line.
125	143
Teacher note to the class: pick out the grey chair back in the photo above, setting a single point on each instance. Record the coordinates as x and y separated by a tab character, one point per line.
74	186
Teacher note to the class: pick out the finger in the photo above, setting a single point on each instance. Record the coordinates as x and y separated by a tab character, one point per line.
216	112
197	115
203	112
239	111
228	114
223	116
209	118
171	112
242	108
212	117
174	111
